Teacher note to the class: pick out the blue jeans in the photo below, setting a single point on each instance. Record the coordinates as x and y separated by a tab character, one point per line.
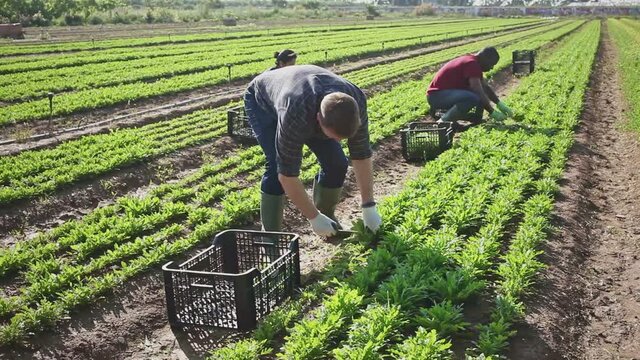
333	162
458	103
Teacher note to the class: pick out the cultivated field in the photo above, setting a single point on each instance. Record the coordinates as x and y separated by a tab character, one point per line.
521	241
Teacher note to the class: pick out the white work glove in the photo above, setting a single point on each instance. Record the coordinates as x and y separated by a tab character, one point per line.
322	225
371	218
505	109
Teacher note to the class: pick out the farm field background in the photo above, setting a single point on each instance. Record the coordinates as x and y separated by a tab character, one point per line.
520	235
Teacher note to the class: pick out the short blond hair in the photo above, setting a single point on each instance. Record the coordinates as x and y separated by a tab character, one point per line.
340	113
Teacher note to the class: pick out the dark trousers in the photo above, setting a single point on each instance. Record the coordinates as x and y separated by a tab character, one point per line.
457	102
333	162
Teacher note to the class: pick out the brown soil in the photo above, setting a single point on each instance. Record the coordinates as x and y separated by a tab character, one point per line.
168	106
587	302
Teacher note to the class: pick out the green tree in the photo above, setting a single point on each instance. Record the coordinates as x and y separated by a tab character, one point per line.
56	8
212	4
109	5
279	3
372	10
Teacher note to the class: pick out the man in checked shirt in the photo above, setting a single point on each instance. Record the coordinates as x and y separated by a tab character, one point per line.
308	105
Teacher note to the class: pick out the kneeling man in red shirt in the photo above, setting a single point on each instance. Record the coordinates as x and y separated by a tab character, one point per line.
459	87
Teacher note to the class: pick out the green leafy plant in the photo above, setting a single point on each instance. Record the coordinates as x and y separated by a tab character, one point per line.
425	345
445	318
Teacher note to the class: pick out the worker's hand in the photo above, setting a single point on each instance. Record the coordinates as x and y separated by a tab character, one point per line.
505	109
322	225
498	116
371	218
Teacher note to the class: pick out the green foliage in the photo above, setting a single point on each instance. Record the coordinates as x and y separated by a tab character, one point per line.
407	288
378	266
193	66
625	34
370	333
503	165
117	242
494	337
372	10
249	349
425	345
445	318
456	286
310	338
507	308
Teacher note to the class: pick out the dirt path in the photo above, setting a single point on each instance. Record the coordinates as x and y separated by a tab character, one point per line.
588	302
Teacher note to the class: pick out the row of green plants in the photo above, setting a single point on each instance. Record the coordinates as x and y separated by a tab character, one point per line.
422	281
94	98
531	38
554	117
59	47
35	84
33	173
72	261
417	280
418	276
626	37
53	61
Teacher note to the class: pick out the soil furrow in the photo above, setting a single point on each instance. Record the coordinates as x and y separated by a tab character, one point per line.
587	303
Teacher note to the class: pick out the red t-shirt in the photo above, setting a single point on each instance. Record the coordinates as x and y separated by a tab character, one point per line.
456	74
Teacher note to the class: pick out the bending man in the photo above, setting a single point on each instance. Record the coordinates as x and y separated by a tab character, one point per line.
459	87
308	105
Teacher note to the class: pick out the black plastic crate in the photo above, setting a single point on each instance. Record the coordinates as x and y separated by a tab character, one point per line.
425	140
238	123
524	61
235	282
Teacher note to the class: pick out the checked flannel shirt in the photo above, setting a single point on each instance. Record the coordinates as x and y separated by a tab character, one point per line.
292	95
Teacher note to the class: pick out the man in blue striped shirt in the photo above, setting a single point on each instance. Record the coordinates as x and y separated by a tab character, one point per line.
308	105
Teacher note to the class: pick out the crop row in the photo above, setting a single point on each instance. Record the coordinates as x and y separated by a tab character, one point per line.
67	266
626	37
429	262
34	84
531	38
444	232
555	117
88	99
179	39
31	63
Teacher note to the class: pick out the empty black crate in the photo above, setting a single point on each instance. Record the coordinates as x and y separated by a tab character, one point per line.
234	282
425	140
523	61
238	123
